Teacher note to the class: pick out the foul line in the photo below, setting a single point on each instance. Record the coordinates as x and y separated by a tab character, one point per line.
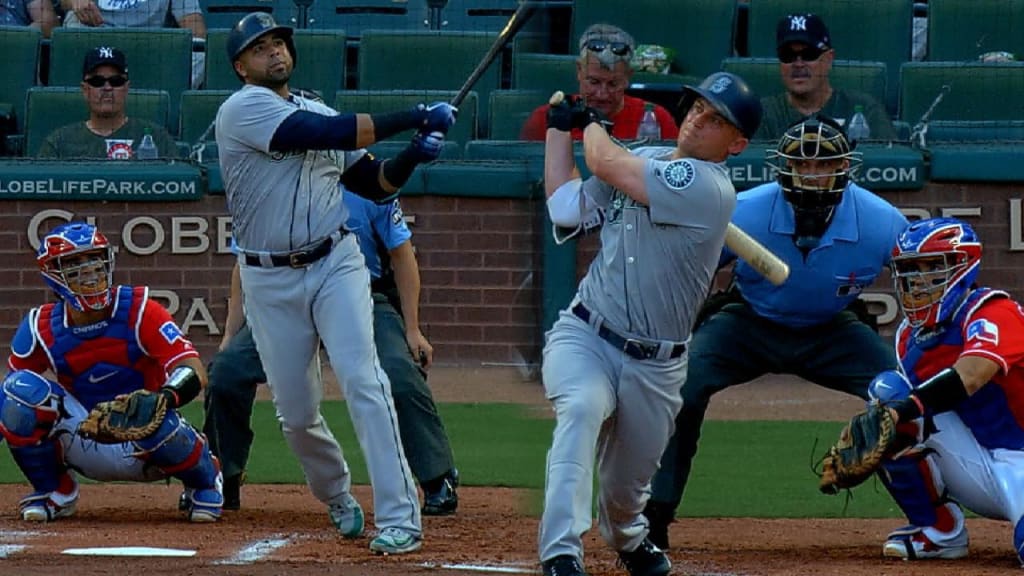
479	568
258	550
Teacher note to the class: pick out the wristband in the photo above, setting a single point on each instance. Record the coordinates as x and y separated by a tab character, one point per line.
940	393
387	125
181	387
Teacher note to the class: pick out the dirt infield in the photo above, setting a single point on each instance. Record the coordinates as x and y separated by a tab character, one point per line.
284	530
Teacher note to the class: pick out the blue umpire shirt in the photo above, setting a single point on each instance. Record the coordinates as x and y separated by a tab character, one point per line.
856	246
375	226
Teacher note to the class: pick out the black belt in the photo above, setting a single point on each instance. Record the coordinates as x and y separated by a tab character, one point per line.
299	258
636	348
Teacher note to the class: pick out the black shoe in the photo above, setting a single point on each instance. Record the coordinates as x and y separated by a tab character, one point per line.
232	492
562	566
445	500
659	516
646	560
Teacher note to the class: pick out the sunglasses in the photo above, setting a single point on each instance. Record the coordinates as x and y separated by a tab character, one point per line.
617	48
100	81
787	55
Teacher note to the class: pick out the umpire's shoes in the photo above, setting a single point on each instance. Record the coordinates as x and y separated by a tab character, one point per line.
564	565
659	516
233	491
646	560
444	500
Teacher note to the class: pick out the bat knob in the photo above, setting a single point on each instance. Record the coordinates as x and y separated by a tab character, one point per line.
556	98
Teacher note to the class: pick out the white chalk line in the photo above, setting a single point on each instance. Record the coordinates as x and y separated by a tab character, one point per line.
7	550
258	550
490	568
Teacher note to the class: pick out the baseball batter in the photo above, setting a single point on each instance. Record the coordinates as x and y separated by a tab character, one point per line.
303	275
615	360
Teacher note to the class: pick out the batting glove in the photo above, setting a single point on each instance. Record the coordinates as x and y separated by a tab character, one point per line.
582	116
559	115
436	116
427	145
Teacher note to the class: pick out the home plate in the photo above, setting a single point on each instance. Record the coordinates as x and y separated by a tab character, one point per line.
128	551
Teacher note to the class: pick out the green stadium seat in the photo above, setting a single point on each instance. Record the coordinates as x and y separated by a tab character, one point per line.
375	101
390	148
981	131
971	90
198	110
544	72
320	64
356	16
427	60
19	68
158	58
50	107
227	13
492	15
959	30
762	74
871	30
668	24
509	110
976	162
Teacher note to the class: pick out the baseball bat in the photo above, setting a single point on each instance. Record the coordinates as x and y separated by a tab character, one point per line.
761	259
512	27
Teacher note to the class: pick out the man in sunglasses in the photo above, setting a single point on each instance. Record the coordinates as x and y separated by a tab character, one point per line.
603	71
109	132
805	52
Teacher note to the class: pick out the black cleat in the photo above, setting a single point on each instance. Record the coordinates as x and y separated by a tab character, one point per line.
564	565
646	560
659	516
232	492
445	500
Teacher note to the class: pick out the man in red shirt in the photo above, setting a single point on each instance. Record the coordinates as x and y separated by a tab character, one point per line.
603	71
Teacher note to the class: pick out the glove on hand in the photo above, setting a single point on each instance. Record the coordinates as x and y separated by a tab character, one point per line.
427	146
863	444
127	418
559	115
436	116
583	116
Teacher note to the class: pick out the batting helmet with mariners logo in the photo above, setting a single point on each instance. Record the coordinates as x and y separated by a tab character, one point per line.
731	97
253	26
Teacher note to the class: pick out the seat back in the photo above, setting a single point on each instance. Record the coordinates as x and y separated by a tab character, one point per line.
227	13
198	110
544	72
509	110
960	30
970	90
376	101
355	16
50	107
19	68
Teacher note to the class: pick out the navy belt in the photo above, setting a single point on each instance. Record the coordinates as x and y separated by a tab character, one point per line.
635	348
299	258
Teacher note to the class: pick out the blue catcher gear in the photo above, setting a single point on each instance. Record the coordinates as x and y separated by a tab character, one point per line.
177	449
889	386
77	262
935	263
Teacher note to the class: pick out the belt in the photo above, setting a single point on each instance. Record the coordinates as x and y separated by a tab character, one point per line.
299	258
638	349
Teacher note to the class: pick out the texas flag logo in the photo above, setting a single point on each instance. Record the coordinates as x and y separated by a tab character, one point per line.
983	331
171	332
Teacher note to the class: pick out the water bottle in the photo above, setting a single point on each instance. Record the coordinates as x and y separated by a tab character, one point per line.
858	129
649	128
147	148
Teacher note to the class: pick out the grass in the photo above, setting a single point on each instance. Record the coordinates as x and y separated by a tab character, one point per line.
743	468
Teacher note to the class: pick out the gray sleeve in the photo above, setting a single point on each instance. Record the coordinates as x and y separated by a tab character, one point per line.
598	190
251	117
683	192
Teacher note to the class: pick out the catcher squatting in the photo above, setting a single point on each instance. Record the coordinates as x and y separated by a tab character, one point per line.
122	368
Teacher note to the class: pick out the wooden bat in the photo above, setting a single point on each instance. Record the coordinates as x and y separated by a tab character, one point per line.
753	252
512	27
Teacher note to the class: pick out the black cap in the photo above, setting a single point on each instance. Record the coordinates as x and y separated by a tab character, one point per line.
104	55
807	29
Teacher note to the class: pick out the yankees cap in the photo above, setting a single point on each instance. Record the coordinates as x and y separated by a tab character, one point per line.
807	29
102	55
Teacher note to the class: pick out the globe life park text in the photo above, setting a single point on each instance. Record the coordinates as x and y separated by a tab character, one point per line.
182	234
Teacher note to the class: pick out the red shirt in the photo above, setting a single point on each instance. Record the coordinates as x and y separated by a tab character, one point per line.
626	122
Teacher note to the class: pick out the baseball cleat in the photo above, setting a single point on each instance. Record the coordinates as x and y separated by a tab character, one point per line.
445	500
45	510
646	560
347	516
395	541
564	565
911	543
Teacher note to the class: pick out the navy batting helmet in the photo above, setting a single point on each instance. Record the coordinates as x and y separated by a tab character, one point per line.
253	26
730	96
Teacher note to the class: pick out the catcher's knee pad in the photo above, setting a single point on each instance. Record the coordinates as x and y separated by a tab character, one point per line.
916	486
30	407
889	386
179	450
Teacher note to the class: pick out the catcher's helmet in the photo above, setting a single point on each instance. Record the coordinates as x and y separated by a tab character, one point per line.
731	97
820	138
92	277
251	27
934	265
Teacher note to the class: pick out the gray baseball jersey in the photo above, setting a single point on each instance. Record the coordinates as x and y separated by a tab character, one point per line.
139	13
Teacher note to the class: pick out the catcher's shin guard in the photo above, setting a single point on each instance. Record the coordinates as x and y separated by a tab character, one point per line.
30	407
180	451
918	489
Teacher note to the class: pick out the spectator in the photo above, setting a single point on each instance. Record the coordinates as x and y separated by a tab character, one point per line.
35	13
109	132
151	14
603	70
805	59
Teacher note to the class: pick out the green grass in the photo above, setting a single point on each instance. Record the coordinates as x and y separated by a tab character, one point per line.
755	468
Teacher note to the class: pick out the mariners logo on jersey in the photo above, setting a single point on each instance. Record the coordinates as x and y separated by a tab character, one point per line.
171	332
678	174
396	215
982	330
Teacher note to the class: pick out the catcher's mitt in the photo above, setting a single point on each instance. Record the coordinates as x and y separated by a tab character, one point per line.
127	418
862	446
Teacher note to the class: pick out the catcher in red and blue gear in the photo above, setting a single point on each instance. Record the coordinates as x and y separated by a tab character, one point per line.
959	389
100	342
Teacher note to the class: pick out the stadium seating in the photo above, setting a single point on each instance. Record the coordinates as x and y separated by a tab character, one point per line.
874	30
227	13
19	67
427	60
544	72
375	101
509	110
50	107
976	91
198	110
320	64
700	32
356	16
960	30
763	75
